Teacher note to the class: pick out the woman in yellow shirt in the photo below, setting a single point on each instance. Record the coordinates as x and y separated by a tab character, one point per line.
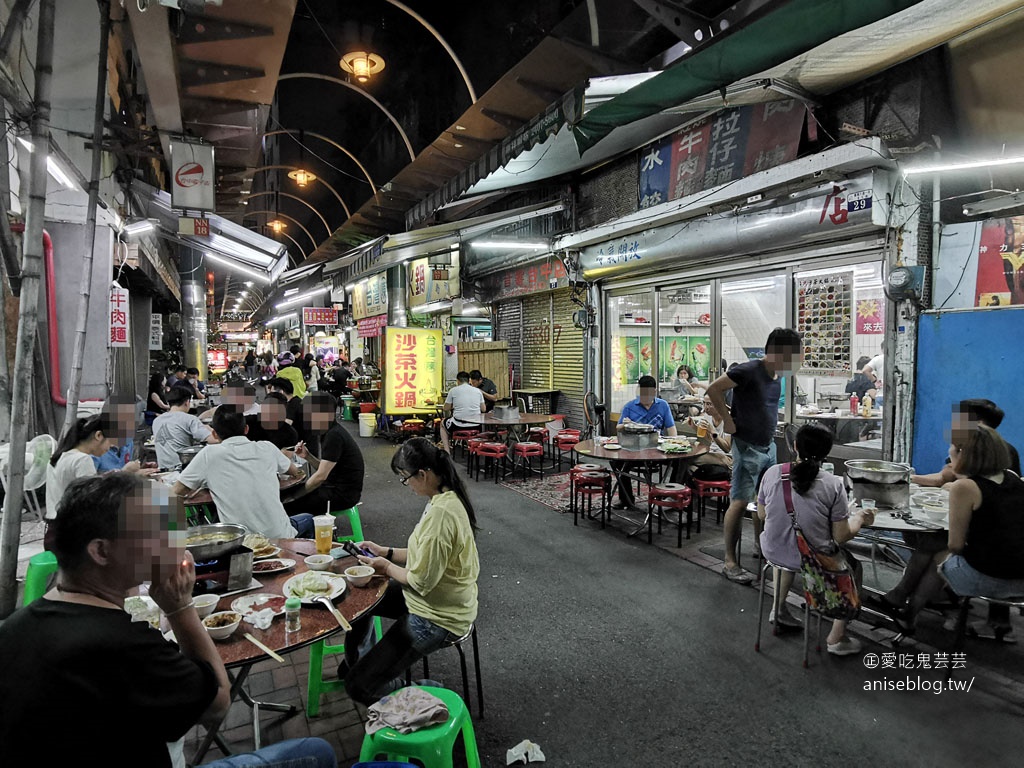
433	589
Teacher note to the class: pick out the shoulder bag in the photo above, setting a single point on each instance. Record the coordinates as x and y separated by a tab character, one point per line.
829	586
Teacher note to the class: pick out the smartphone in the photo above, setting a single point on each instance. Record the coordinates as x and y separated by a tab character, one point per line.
352	549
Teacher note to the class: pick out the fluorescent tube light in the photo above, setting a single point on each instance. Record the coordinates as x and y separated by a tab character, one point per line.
965	166
281	318
509	245
138	228
52	166
302	297
237	267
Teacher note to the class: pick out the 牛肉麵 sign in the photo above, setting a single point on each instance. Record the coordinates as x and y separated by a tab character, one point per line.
413	366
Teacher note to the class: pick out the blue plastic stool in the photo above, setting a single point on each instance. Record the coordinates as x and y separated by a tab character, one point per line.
433	745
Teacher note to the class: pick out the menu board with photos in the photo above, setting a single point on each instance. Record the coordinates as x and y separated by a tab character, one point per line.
824	308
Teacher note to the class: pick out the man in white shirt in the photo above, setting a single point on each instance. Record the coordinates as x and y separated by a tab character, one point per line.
463	404
242	478
177	429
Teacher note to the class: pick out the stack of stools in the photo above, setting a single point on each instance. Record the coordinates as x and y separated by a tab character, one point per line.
585	484
670	496
523	455
565	440
711	489
491	456
460	436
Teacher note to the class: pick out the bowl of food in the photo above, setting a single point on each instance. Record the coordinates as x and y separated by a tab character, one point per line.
319	562
221	625
359	575
206	542
205	604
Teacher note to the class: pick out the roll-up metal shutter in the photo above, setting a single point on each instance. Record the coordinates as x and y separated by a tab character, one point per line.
537	341
510	329
567	360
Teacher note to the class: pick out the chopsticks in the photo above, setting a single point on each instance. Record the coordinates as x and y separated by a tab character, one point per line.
263	648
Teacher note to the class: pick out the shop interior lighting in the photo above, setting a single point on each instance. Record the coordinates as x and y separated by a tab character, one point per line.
281	318
964	166
138	228
302	297
748	286
510	245
237	267
52	166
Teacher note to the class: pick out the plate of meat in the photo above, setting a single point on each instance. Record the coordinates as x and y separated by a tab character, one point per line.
261	601
272	566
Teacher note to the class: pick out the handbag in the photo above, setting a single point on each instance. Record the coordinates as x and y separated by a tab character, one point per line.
829	586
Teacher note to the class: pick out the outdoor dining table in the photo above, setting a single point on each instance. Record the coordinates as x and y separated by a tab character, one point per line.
639	464
516	427
201	499
239	654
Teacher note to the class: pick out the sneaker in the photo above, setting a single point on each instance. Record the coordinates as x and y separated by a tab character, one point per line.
737	574
786	621
845	647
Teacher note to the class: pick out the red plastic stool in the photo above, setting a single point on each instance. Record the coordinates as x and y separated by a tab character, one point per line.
460	436
565	443
588	485
711	489
472	459
575	472
670	496
523	455
492	454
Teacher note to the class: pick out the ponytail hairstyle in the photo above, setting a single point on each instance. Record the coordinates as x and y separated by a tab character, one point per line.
82	430
418	454
813	443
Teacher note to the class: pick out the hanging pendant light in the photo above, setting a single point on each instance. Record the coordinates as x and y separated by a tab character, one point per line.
300	175
362	65
275	223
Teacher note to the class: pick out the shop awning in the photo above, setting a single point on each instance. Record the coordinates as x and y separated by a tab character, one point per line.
790	30
229	244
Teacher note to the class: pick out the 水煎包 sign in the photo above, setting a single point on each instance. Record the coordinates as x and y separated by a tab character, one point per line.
414	366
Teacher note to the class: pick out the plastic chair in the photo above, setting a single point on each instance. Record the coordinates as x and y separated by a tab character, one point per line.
670	496
40	568
316	685
432	746
457	644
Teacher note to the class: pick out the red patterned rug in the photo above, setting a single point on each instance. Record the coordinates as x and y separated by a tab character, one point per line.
552	490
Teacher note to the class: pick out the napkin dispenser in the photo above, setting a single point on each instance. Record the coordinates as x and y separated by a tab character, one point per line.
637	437
506	412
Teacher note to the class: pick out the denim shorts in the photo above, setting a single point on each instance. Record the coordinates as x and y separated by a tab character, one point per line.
967	581
749	462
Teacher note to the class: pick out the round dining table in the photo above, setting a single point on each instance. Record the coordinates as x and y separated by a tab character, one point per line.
239	653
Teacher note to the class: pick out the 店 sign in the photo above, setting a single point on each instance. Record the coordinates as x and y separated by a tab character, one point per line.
319	316
156	331
427	284
414	366
217	359
119	312
370	327
370	297
192	171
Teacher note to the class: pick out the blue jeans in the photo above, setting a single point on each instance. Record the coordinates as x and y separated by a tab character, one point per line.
749	462
409	639
303	523
970	582
294	753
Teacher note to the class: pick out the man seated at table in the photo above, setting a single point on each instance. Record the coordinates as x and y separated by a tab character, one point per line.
271	424
487	388
74	666
337	475
463	404
242	478
647	408
862	384
177	430
239	395
294	415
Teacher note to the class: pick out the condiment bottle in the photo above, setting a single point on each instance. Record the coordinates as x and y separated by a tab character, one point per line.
866	405
854	402
292	620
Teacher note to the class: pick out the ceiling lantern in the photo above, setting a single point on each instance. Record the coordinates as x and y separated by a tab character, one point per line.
362	65
301	176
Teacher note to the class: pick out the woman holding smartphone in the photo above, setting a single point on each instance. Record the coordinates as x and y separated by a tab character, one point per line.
433	589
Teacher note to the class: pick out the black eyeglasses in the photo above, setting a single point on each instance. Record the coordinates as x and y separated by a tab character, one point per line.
405	480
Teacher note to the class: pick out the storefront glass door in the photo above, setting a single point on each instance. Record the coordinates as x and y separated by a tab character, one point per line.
631	350
684	335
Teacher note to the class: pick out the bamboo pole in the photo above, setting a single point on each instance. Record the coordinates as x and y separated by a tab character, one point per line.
32	256
85	288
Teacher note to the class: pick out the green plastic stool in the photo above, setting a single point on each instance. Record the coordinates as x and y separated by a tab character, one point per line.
40	568
432	746
316	685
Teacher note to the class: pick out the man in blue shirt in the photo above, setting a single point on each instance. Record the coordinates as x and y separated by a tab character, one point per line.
756	386
648	408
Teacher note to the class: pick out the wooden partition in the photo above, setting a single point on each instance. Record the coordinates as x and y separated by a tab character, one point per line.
490	358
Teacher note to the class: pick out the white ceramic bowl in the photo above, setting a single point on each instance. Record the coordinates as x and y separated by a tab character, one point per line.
205	604
359	575
319	562
225	631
